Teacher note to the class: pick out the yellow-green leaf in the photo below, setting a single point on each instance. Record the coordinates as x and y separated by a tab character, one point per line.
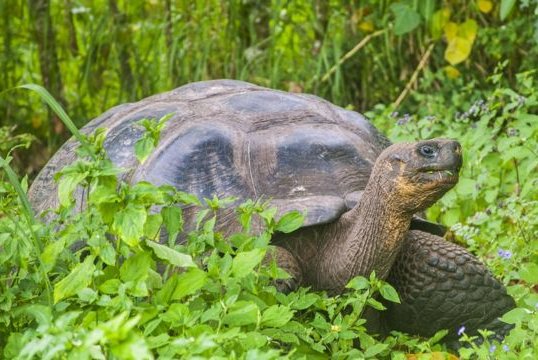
438	22
460	38
79	278
452	72
485	6
458	51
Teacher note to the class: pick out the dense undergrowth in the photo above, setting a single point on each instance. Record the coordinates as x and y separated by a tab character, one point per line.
98	284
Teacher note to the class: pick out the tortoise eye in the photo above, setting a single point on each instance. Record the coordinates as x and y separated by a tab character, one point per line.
427	151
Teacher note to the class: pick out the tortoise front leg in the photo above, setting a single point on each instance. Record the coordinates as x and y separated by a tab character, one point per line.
443	286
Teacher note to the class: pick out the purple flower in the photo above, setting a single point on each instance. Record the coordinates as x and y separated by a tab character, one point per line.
461	330
505	347
492	348
404	120
504	254
394	114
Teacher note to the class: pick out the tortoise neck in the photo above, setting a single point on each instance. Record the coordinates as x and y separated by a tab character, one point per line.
365	239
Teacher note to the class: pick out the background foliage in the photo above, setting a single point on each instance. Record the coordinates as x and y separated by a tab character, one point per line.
92	55
460	69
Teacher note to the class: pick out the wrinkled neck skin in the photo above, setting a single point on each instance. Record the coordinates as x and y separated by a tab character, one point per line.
365	239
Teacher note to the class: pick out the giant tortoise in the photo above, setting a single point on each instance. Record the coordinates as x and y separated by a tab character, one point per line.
359	193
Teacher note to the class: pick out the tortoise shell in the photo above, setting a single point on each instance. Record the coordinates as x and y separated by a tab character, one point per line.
232	138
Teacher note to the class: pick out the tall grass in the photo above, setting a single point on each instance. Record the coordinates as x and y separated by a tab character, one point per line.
115	51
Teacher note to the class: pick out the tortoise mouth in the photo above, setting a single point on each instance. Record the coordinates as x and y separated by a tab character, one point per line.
442	175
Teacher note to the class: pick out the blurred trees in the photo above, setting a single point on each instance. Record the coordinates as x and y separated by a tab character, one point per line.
92	55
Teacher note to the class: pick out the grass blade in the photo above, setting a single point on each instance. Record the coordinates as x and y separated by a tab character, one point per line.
59	111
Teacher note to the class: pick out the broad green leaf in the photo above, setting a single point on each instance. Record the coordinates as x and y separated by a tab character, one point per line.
136	267
129	223
143	148
67	184
407	19
241	313
358	283
276	316
389	293
104	190
51	253
173	221
147	193
305	301
506	8
245	262
529	273
164	295
290	222
110	286
41	313
375	349
170	255
189	282
515	316
79	278
176	314
152	226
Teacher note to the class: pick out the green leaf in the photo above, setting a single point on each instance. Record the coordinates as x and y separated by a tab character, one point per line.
438	21
176	314
244	262
136	267
358	283
51	253
79	278
506	8
67	184
407	19
375	304
189	282
129	223
290	222
147	193
389	293
170	255
110	286
143	148
241	313
173	221
276	316
515	316
152	226
529	273
375	349
426	9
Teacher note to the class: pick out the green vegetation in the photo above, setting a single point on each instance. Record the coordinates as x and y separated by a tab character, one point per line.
68	289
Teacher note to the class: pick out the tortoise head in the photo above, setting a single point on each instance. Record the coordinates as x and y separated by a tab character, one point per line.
418	174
